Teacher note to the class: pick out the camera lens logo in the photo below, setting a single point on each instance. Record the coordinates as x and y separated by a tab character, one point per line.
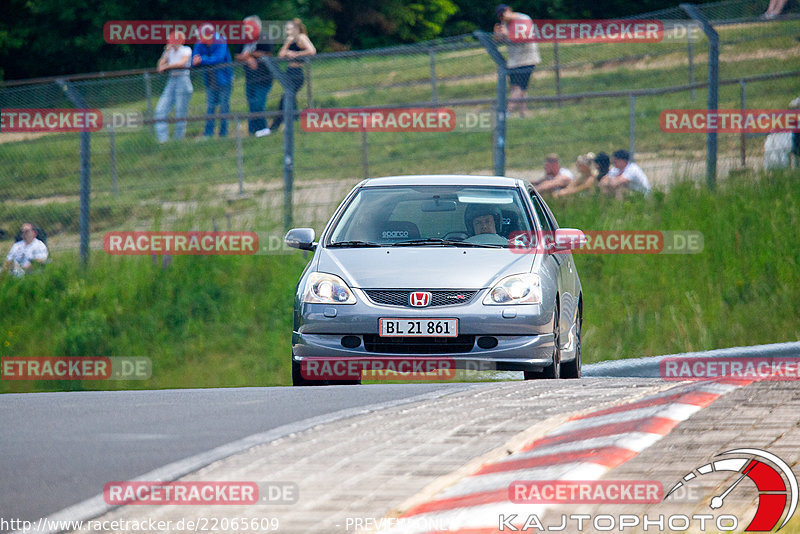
764	469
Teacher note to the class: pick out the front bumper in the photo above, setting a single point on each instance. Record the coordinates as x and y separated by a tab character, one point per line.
523	333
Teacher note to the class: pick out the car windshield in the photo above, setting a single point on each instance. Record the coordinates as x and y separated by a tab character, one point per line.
431	216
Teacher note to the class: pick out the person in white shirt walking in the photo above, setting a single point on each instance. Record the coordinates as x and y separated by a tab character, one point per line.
26	253
625	175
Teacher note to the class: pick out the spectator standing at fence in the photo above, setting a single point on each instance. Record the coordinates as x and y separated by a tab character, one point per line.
210	50
296	45
555	176
26	253
775	8
257	77
624	176
587	176
178	91
522	57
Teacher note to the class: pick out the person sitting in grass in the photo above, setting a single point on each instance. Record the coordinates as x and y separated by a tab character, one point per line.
624	176
26	253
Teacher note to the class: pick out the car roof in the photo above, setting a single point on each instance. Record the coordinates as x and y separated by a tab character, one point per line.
441	179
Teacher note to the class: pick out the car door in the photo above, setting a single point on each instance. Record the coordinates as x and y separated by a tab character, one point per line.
569	284
560	262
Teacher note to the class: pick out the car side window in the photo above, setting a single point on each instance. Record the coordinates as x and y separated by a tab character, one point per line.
544	221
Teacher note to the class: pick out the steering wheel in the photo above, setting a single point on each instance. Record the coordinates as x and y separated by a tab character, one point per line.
456	236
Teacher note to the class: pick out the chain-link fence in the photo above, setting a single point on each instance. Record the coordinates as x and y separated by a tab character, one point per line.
583	97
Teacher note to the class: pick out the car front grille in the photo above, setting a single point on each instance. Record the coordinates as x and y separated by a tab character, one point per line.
439	297
418	345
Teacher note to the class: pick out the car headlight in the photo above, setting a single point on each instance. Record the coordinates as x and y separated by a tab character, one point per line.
324	288
515	289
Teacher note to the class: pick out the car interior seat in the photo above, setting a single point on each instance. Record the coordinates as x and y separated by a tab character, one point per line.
396	231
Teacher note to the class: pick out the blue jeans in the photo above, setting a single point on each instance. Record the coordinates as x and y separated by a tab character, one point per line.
256	101
177	92
218	96
296	79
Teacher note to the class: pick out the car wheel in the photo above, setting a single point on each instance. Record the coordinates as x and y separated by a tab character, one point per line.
572	369
298	380
552	370
297	377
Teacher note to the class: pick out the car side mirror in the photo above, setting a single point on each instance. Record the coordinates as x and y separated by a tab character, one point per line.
301	238
568	239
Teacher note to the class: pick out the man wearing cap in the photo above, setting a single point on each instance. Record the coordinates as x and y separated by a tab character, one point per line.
625	174
522	57
212	49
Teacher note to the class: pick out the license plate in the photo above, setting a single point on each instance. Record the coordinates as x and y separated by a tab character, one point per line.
418	327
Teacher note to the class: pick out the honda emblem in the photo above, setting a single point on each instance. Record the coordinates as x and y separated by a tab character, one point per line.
419	299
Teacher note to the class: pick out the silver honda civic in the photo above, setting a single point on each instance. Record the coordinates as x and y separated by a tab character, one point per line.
431	267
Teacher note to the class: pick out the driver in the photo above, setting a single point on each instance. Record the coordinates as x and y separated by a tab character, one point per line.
483	222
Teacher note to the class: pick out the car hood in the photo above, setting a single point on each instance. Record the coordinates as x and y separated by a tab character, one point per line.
422	267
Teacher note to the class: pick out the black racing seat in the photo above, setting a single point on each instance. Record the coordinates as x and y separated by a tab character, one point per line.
396	231
510	222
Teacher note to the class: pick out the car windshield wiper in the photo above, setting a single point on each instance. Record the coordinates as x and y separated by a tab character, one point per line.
445	242
353	244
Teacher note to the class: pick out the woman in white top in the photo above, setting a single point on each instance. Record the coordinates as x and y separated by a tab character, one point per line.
178	90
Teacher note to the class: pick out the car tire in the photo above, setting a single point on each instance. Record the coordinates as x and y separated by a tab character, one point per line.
297	377
298	380
572	369
552	370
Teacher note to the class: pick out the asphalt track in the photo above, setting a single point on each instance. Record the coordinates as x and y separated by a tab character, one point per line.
59	449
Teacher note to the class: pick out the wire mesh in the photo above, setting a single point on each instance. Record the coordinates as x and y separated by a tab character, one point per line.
236	182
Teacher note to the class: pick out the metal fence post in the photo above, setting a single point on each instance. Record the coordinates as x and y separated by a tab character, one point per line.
148	91
309	96
434	91
239	154
85	163
632	121
113	157
364	153
289	94
558	70
499	154
743	106
713	88
690	47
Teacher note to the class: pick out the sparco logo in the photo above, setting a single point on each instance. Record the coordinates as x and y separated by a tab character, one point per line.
394	234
